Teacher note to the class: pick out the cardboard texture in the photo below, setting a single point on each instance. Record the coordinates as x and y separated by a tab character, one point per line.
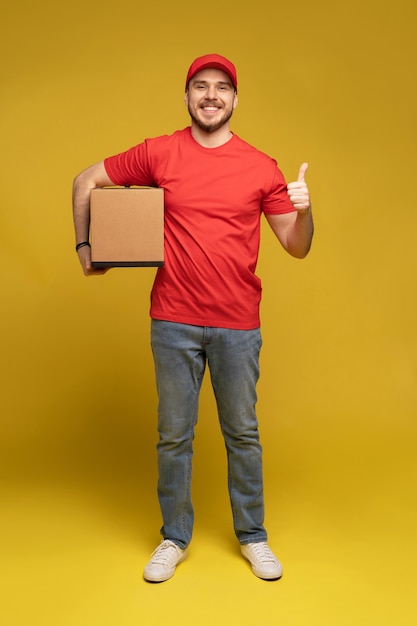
127	227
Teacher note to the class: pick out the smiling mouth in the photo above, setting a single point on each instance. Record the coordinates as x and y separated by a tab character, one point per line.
210	109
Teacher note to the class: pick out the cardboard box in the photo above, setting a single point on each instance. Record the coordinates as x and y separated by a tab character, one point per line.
127	227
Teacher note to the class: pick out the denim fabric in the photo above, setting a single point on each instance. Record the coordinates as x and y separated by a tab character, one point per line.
181	353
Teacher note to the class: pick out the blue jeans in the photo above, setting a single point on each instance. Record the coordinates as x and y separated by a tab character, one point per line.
181	353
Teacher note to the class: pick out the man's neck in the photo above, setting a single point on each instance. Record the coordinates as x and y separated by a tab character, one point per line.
211	140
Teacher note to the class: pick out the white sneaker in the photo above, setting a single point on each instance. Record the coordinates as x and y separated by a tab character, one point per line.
163	562
264	562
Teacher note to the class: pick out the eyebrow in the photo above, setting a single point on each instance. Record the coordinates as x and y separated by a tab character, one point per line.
218	82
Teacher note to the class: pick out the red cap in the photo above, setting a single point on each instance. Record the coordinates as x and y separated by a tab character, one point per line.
215	61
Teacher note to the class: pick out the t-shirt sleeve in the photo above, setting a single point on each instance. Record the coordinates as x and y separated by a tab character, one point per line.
276	200
130	167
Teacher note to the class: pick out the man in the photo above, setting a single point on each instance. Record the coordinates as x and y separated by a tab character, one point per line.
205	300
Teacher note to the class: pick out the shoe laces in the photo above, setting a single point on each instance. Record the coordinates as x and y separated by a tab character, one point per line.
165	553
263	552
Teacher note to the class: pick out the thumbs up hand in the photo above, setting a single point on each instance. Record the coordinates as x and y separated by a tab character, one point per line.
298	191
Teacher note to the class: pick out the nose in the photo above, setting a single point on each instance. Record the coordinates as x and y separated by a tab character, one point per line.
211	92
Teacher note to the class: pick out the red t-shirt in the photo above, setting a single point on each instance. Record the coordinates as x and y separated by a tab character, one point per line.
214	198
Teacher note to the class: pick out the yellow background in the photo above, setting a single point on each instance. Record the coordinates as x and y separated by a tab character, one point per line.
330	83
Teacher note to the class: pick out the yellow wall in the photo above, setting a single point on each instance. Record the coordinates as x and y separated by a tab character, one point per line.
330	83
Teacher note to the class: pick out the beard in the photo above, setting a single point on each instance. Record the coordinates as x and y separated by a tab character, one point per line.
211	127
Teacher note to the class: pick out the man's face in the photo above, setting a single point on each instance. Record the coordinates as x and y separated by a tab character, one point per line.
210	99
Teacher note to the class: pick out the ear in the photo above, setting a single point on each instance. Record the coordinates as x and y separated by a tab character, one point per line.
235	101
186	98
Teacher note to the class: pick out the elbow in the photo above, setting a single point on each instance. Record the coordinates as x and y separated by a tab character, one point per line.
300	254
92	177
302	245
89	178
300	251
83	177
78	182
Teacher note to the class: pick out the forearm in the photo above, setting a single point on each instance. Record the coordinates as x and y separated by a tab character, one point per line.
300	234
298	227
81	208
294	231
94	176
